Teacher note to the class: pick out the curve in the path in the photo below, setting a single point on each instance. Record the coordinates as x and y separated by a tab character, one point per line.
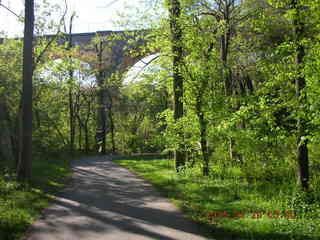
106	201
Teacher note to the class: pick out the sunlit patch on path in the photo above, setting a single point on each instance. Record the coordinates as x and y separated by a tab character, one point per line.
105	201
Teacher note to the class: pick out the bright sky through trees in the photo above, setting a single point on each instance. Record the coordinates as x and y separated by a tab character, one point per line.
93	15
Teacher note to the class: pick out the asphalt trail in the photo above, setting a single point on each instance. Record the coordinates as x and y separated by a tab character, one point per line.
106	201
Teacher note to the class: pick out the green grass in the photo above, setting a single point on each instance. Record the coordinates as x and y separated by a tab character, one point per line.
226	190
20	204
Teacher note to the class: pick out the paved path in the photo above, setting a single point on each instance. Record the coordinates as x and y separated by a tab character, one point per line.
106	201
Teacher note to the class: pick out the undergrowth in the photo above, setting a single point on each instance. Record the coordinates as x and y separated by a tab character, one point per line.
20	204
232	206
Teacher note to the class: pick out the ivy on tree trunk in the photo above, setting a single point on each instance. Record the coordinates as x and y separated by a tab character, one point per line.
300	83
177	51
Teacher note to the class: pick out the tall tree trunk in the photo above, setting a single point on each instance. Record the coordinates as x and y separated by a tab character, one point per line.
25	159
203	138
80	134
71	115
86	134
101	128
227	74
224	50
71	104
17	139
86	131
201	115
300	82
6	146
112	126
177	50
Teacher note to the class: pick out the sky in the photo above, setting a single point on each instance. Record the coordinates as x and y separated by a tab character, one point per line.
93	15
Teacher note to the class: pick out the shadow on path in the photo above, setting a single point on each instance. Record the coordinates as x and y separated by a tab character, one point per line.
106	201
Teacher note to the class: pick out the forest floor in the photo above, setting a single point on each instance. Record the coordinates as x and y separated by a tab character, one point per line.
106	201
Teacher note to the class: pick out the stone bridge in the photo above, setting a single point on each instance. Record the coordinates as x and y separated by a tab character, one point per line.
109	51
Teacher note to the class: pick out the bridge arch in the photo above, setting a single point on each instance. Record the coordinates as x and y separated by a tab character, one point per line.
115	47
108	52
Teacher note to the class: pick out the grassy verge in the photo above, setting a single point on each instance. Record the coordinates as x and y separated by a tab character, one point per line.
21	204
232	208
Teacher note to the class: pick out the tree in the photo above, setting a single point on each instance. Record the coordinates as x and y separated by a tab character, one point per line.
227	15
300	83
102	99
177	52
6	153
294	11
71	102
25	161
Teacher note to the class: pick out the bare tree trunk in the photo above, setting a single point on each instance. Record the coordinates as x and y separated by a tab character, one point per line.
18	136
177	51
86	131
112	126
71	116
300	82
203	140
25	159
71	104
224	53
81	125
86	135
101	128
224	50
6	148
227	74
249	84
80	134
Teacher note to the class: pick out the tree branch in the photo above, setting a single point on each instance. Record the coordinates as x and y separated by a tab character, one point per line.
216	15
8	9
38	59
